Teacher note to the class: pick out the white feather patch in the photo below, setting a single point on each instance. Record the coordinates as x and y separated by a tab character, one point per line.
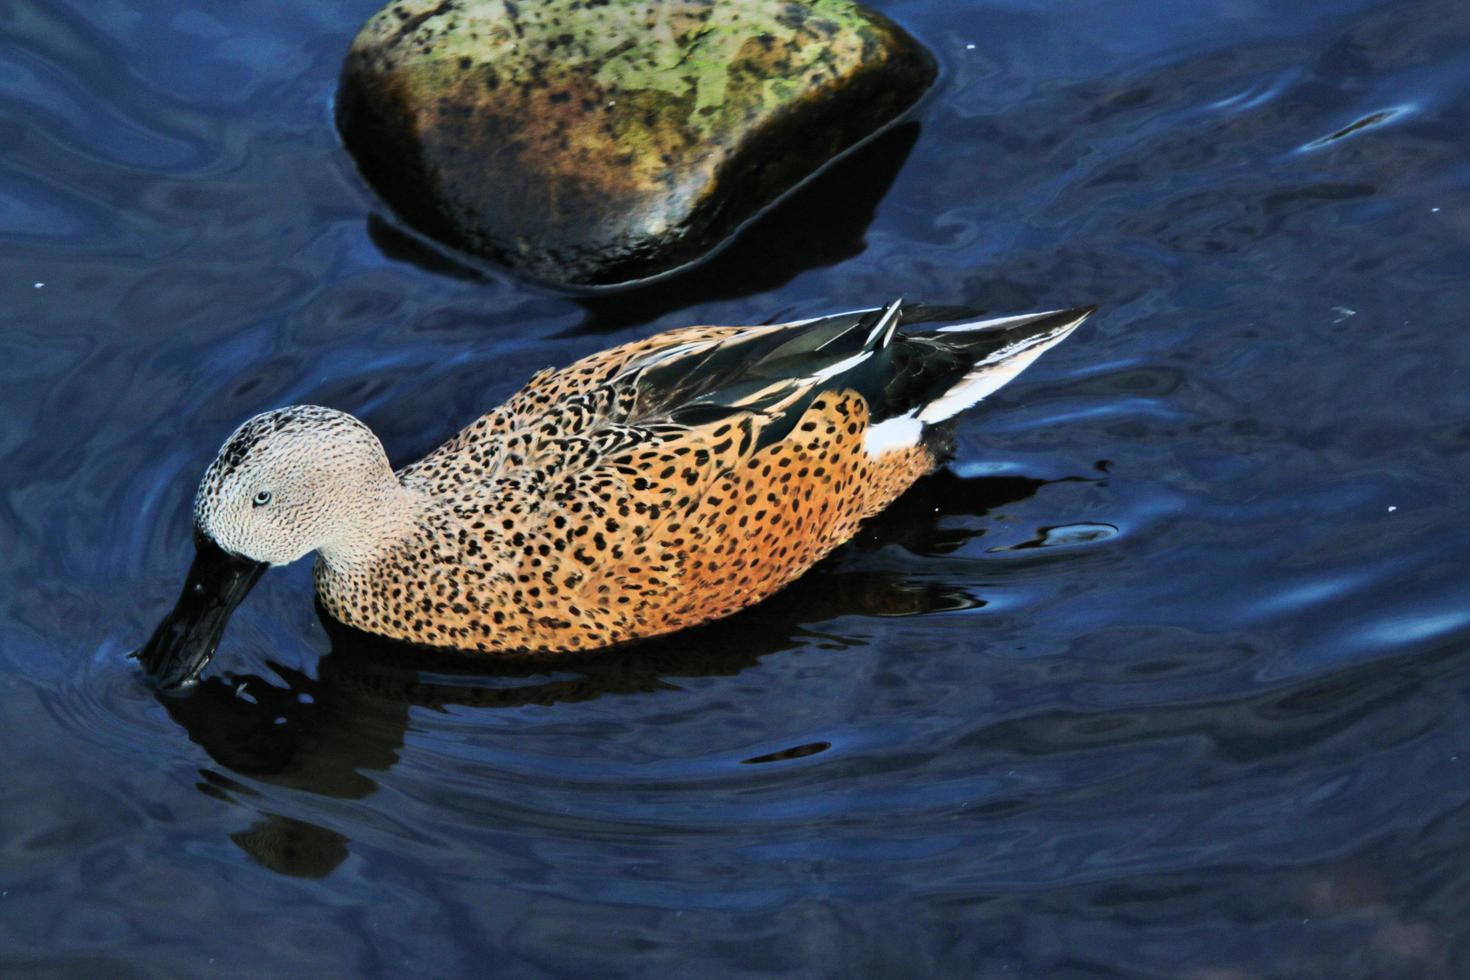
825	316
847	363
899	432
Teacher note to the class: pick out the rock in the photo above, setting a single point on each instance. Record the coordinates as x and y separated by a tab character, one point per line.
591	142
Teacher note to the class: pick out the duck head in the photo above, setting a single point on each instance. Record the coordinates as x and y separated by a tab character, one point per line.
285	484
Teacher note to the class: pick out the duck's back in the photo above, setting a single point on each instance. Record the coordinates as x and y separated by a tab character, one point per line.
658	485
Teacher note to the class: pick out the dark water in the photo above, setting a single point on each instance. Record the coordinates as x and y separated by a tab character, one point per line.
1166	676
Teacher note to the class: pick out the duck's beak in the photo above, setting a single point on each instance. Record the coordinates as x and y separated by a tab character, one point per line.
183	643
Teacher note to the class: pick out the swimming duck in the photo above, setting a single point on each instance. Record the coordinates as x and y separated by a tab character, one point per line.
641	490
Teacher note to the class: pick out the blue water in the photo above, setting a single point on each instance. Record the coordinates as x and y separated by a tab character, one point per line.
1167	675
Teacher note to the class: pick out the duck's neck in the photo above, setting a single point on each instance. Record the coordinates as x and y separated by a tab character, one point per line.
383	516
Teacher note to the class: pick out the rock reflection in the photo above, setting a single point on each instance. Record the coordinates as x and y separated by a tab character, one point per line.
778	245
323	735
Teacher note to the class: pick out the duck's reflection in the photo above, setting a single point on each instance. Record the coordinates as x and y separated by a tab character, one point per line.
323	735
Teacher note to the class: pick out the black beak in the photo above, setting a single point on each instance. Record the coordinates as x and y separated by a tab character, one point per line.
183	643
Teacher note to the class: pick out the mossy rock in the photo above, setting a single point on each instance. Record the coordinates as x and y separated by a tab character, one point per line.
591	142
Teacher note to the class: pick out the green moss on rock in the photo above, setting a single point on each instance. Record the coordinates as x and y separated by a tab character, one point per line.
596	141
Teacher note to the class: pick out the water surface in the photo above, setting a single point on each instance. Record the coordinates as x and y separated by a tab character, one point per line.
1166	675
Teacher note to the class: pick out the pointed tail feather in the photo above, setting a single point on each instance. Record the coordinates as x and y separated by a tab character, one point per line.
882	330
1006	346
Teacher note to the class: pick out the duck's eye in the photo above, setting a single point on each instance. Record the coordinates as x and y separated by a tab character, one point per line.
262	498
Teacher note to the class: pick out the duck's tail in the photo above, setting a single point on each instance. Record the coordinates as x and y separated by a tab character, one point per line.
1002	349
940	372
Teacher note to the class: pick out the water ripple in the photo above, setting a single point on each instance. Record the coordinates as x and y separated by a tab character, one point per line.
1164	672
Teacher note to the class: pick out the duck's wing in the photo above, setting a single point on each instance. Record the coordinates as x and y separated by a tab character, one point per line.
478	443
671	419
762	378
923	373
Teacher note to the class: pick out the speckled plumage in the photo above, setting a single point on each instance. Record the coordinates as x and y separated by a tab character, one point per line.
644	489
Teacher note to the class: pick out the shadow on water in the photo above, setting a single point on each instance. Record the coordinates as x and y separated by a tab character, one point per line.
322	735
772	250
777	246
402	245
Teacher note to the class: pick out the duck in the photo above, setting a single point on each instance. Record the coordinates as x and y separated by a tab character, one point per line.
651	487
